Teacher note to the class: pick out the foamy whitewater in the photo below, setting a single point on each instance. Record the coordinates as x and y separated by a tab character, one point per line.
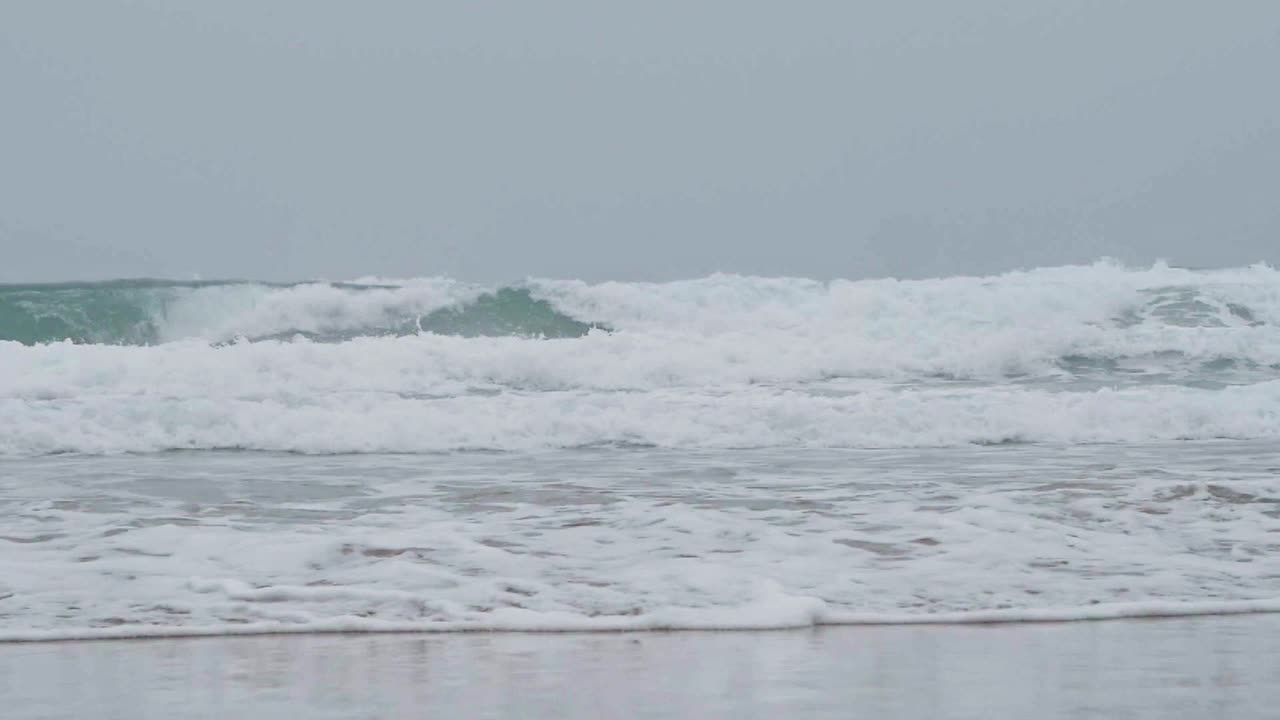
728	452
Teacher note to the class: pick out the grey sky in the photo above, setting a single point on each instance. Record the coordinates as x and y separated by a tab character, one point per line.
494	140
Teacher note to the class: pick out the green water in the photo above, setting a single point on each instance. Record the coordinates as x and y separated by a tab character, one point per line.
135	312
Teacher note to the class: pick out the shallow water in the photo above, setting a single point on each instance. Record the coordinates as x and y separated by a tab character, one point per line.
632	538
1167	670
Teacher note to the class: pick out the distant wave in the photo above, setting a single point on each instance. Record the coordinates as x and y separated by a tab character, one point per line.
1051	300
149	312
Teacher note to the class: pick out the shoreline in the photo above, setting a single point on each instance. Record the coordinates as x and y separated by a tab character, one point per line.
1176	668
660	622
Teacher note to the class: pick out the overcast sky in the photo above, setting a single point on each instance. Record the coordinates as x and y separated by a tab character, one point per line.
491	141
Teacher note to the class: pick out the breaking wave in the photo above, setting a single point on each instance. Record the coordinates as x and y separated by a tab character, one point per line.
150	312
1098	353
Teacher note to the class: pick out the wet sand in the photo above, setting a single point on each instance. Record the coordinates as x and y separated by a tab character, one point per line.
1212	667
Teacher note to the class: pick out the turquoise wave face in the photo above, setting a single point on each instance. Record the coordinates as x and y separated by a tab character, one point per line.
143	312
508	311
112	312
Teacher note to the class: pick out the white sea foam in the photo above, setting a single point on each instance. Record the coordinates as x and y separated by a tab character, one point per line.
370	420
220	313
197	544
1060	355
1060	296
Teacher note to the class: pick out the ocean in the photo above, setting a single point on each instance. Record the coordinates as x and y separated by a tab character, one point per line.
728	452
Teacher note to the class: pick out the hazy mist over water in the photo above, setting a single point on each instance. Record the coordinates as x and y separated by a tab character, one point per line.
494	141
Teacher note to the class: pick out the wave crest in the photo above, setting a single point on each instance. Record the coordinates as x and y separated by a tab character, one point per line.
1077	354
154	312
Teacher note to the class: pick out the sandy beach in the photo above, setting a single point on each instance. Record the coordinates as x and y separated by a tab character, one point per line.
1219	667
